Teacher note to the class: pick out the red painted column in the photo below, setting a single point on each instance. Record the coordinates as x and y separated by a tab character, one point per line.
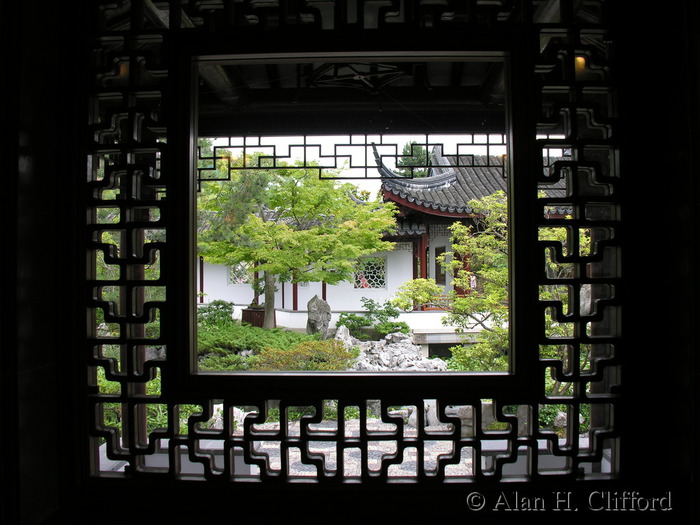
422	255
201	279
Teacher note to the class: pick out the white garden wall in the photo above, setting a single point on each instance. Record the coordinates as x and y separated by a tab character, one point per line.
341	297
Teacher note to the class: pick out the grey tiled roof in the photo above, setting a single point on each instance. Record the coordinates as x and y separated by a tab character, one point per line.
452	184
409	229
454	181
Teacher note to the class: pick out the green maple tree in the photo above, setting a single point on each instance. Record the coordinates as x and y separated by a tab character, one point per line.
288	224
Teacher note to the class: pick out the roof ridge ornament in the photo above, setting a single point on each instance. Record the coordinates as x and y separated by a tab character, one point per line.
385	172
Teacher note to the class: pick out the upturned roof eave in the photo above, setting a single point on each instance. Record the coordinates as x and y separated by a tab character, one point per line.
430	209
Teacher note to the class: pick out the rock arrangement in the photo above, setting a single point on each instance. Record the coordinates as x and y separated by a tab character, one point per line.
394	353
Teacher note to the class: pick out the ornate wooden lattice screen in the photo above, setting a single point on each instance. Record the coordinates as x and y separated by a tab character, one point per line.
151	416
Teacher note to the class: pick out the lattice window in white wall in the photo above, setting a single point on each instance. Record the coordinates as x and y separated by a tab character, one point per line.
240	273
371	273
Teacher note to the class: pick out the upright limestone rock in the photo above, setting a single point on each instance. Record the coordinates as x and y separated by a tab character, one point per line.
319	316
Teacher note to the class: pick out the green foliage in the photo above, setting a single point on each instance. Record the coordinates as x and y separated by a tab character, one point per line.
356	323
304	229
558	296
483	356
548	413
391	327
309	355
156	413
419	292
379	313
412	156
236	337
234	346
289	224
376	318
221	339
114	242
293	413
330	412
546	417
223	362
479	300
216	312
479	261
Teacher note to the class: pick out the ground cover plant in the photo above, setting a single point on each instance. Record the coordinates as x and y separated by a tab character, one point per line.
226	344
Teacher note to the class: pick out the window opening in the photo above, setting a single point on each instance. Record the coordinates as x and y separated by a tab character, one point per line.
370	273
254	190
426	186
240	274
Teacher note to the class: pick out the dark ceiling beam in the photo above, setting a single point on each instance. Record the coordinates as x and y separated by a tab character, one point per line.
355	95
273	76
220	84
493	90
212	74
311	121
456	72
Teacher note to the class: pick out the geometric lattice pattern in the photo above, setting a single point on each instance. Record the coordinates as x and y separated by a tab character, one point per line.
371	273
240	274
353	154
147	419
332	441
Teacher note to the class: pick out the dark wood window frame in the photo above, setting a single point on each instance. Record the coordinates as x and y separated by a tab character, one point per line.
133	67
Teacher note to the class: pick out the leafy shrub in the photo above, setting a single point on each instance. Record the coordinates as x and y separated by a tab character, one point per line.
225	344
478	357
391	327
236	337
548	414
330	412
219	333
293	413
308	355
156	413
224	362
214	313
355	323
376	318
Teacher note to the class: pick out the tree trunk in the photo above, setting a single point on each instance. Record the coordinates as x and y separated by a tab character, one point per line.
269	321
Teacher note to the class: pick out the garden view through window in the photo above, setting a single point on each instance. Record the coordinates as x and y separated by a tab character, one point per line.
352	253
374	238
